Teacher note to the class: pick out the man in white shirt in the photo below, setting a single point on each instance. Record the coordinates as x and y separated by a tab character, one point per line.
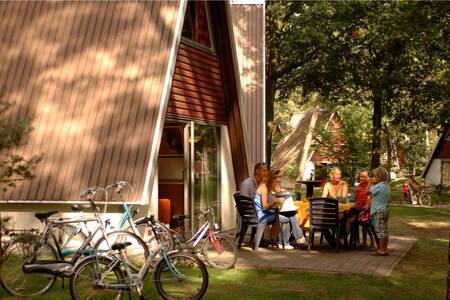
248	186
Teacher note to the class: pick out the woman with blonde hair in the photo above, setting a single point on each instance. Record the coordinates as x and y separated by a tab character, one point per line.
379	197
336	188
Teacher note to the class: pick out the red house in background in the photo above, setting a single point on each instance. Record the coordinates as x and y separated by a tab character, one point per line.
296	151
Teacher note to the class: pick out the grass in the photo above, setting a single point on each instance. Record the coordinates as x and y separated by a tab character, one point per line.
420	275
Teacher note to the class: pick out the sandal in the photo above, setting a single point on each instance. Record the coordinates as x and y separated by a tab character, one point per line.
375	253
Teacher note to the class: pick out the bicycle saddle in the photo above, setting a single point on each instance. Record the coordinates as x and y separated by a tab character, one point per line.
180	217
80	207
120	246
45	215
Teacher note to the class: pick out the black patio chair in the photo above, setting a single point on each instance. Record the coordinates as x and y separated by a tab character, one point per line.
247	212
324	217
367	229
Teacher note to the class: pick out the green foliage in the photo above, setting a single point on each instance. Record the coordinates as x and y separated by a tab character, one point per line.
353	154
390	56
13	133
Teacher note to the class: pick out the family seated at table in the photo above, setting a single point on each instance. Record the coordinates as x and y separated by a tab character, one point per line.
260	187
372	203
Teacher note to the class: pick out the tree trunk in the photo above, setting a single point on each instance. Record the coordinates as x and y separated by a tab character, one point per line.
389	151
377	132
270	96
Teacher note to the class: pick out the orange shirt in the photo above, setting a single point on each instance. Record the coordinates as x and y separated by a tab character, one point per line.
361	194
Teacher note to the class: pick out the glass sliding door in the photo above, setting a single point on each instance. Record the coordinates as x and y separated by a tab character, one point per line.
205	171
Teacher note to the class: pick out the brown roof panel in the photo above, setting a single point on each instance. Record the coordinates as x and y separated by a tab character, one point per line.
290	148
90	76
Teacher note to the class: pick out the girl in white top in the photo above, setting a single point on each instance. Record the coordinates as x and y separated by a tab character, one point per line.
336	188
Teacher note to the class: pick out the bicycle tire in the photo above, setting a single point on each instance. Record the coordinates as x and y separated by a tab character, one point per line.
135	254
193	282
69	238
425	200
12	278
93	265
223	260
147	235
406	201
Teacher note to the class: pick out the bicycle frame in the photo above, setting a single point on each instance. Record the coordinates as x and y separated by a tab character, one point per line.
81	250
205	229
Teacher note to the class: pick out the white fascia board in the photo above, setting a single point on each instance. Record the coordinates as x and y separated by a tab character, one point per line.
154	146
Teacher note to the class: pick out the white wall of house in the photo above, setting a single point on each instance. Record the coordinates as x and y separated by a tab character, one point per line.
228	185
434	172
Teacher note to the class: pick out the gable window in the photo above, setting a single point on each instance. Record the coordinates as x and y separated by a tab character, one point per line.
196	27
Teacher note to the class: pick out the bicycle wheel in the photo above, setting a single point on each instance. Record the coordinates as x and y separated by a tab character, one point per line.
93	278
147	234
183	277
135	254
221	253
406	200
70	238
425	200
13	279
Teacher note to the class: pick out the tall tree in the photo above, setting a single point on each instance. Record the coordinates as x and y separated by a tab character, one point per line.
396	58
298	35
13	167
391	56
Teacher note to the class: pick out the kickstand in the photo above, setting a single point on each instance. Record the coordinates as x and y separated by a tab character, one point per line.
142	297
62	282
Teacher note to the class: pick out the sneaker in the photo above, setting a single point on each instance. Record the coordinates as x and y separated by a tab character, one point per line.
286	247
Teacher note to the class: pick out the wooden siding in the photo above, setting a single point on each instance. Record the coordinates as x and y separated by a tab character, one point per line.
89	76
197	91
223	46
444	149
248	28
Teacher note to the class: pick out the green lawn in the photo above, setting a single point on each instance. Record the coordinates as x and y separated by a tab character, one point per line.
420	275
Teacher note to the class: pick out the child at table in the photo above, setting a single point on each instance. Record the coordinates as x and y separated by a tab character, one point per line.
379	196
362	205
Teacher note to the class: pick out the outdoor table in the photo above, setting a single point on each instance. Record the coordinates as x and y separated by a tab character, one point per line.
303	212
310	184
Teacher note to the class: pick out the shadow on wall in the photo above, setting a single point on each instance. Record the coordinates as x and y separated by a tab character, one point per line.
89	75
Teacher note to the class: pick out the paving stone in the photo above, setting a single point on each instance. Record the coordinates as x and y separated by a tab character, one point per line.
325	259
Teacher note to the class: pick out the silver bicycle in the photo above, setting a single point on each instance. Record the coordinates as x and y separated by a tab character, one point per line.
177	275
32	262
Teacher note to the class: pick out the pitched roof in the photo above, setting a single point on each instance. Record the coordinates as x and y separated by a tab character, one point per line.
444	135
90	76
290	148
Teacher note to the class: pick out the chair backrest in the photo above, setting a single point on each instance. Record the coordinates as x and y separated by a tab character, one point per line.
324	212
246	208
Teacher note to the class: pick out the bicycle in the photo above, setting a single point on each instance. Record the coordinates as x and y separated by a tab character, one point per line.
141	230
420	196
178	275
218	251
33	262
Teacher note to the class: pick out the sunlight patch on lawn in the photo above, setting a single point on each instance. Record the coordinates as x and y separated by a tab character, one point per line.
429	224
441	241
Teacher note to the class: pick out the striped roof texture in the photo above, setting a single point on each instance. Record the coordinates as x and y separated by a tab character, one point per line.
90	77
